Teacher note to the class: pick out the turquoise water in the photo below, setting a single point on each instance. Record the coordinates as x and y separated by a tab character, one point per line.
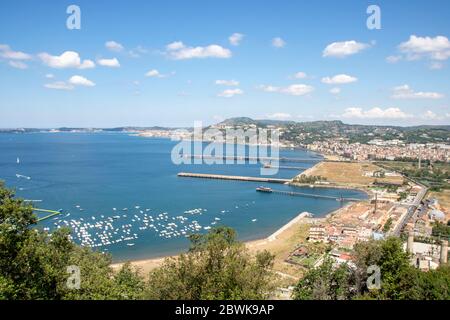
87	175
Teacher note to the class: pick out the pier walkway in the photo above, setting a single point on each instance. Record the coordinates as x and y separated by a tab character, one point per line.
226	177
247	158
302	194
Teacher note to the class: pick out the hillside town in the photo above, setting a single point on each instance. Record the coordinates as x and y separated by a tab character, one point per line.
383	150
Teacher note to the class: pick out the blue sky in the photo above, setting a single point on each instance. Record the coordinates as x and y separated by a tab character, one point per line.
171	63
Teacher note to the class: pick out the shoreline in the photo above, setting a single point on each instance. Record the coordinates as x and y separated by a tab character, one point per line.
149	264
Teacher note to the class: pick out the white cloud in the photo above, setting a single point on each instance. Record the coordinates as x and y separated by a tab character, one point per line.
7	53
437	48
229	93
177	45
59	85
235	39
393	59
294	89
269	88
375	113
339	79
430	115
300	75
278	42
114	46
81	81
179	51
68	59
227	82
136	52
279	116
335	90
343	49
70	84
111	63
156	74
87	64
18	64
153	73
405	92
49	75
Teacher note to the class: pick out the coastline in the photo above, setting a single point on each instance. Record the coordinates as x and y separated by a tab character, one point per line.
146	265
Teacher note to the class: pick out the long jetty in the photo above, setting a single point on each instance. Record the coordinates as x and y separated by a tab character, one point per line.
227	177
247	158
303	194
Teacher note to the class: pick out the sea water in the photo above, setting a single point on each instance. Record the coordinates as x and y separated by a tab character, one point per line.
108	185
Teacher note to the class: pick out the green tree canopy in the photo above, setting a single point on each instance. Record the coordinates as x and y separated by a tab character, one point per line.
399	279
215	267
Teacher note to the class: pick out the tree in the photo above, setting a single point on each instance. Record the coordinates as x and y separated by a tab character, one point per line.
434	284
387	226
325	282
397	274
441	230
215	267
399	279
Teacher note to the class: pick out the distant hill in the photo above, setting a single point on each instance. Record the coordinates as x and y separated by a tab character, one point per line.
303	132
308	132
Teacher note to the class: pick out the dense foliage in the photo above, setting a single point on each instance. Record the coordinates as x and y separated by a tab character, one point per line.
441	230
216	267
399	279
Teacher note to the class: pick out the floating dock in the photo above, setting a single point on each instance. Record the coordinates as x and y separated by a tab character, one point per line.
226	177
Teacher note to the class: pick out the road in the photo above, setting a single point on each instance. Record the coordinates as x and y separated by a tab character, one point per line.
411	210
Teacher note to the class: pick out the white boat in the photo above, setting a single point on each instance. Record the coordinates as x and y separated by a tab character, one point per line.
18	160
22	176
